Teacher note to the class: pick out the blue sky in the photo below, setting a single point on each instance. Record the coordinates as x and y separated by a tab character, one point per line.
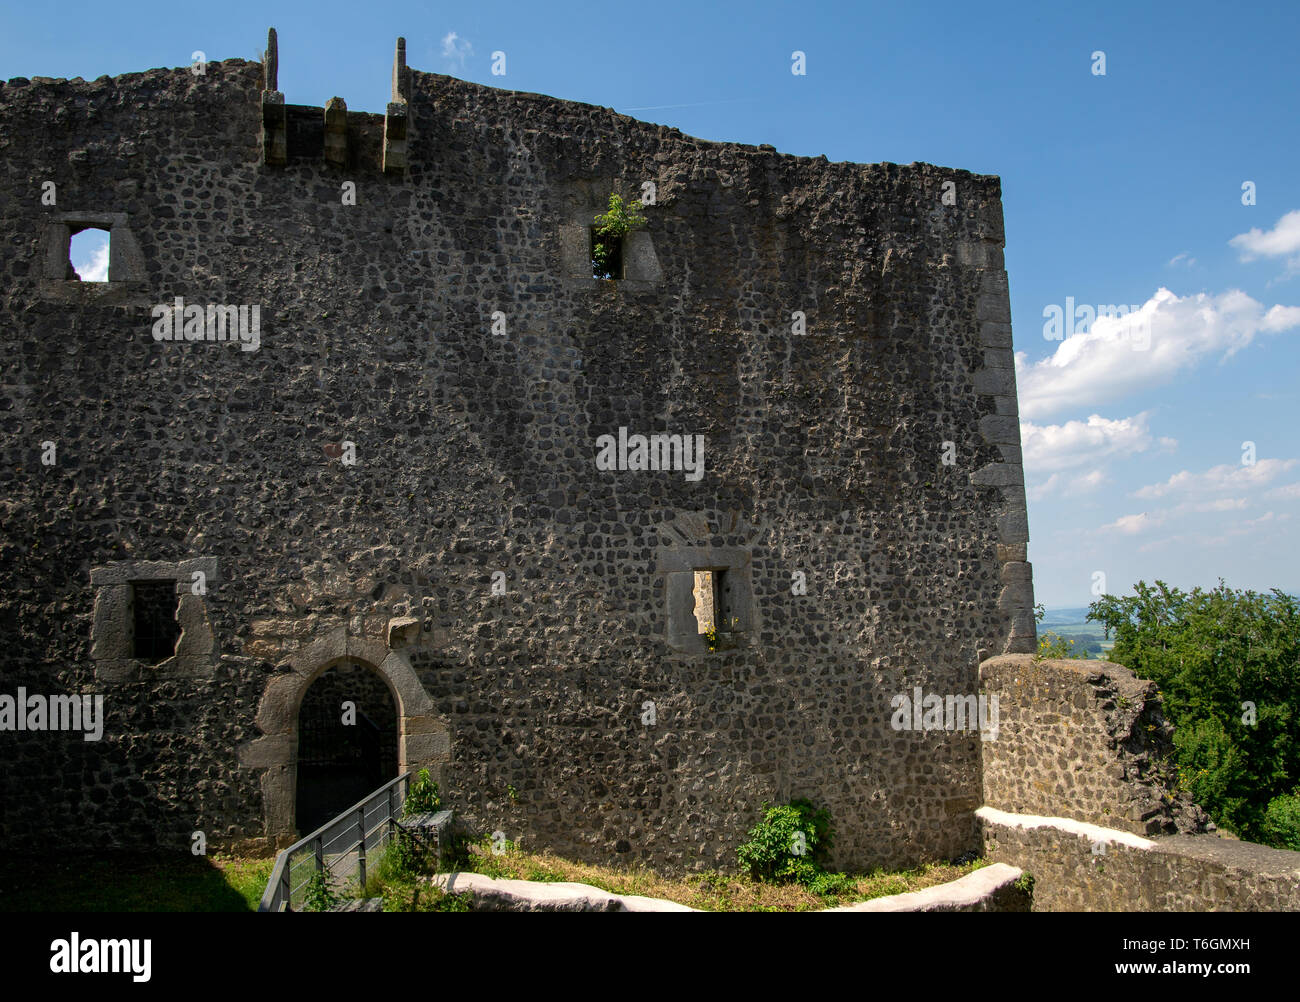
1115	187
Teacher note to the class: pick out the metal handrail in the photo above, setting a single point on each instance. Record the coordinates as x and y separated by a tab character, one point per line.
279	890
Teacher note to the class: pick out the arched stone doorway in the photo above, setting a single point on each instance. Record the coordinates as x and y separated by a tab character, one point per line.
423	740
347	742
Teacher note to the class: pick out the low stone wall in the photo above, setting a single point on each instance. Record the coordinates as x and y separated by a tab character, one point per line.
493	894
1085	740
1079	866
995	888
989	889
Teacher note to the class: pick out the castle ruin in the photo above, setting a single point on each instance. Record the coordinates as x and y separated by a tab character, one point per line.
338	412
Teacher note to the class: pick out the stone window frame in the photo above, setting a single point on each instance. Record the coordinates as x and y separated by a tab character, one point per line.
127	273
641	269
112	647
678	566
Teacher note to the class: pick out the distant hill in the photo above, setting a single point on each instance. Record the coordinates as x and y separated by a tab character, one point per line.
1075	616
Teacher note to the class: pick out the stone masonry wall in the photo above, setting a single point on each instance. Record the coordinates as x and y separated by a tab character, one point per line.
475	454
1082	867
1085	740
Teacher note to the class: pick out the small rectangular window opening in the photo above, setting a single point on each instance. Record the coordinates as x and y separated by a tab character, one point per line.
708	594
88	254
156	628
606	255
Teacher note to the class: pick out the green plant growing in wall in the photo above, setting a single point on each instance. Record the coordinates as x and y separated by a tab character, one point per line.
423	797
611	226
720	640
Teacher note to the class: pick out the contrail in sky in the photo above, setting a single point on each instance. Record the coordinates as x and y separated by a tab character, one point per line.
697	104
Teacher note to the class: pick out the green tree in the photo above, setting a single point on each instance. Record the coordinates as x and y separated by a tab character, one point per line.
1228	665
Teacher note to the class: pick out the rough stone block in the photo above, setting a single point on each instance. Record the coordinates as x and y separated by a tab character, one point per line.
995	335
575	250
994	283
336	132
403	631
196	632
998	475
275	135
993	307
992	382
111	631
639	260
1000	429
999	358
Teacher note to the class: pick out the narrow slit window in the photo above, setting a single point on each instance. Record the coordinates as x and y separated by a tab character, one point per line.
606	255
706	592
156	630
88	254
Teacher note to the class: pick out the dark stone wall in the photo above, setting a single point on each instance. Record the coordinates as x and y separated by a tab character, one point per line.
475	453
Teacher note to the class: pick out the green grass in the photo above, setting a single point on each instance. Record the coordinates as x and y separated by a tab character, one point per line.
132	882
709	891
177	882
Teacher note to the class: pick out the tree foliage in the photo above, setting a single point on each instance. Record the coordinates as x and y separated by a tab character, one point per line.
611	226
1228	665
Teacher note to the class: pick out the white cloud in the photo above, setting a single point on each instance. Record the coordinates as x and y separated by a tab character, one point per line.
1223	532
1067	483
1080	443
1287	492
1218	504
1183	259
455	50
92	266
1282	239
1228	477
1106	363
1131	525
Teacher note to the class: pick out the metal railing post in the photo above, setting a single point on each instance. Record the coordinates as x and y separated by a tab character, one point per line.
361	852
280	889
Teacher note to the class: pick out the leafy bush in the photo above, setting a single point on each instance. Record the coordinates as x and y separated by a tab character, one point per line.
1228	666
790	845
321	895
423	797
403	858
771	852
1281	825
